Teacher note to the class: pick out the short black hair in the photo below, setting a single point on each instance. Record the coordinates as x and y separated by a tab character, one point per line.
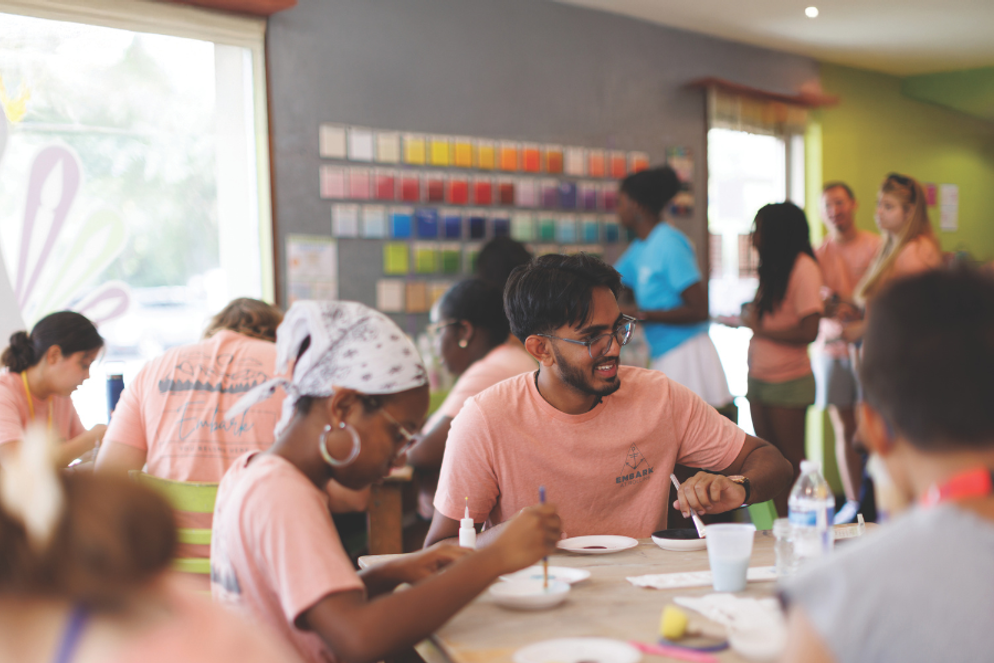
480	303
555	290
928	364
838	184
653	188
499	257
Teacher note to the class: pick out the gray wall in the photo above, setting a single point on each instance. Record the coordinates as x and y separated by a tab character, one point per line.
516	69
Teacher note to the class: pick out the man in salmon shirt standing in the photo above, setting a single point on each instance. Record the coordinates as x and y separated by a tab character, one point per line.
844	257
600	437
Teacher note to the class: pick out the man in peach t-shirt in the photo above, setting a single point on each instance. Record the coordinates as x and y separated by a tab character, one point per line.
844	257
601	438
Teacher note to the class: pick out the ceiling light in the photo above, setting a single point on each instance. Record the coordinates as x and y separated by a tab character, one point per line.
811	12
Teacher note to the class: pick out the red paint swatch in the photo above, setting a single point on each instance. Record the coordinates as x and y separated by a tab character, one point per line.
531	159
483	192
554	161
410	188
435	185
619	167
458	191
505	193
386	186
596	166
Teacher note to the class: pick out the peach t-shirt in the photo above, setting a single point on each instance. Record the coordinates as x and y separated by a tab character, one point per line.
275	552
174	408
919	255
15	413
772	361
503	362
842	264
607	470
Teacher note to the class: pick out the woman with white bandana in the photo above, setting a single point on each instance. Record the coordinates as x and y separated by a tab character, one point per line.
357	393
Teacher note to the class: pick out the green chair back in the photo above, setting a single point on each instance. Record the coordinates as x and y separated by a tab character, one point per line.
189	497
763	514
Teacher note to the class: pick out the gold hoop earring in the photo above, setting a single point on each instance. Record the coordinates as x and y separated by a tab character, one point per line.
326	455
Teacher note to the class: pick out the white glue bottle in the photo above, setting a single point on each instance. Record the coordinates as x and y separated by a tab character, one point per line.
467	530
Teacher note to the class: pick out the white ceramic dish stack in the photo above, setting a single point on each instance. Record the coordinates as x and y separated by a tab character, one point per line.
529	594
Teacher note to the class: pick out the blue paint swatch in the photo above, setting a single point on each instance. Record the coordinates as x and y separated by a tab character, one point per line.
566	231
567	195
400	224
501	227
611	233
452	226
591	231
477	227
427	222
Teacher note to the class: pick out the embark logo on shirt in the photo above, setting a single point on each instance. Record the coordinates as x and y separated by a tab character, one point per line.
636	469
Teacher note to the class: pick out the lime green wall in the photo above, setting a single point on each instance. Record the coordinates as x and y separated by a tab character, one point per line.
875	130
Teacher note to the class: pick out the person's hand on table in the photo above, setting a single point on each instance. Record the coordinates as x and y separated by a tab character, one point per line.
528	537
708	493
419	565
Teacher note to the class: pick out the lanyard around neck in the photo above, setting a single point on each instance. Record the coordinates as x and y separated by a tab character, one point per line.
978	482
31	404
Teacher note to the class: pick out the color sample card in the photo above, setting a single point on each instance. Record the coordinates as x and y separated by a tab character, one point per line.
435	291
395	258
439	153
612	232
531	158
477	225
312	267
596	163
360	144
415	149
426	220
501	226
486	155
618	164
526	193
374	221
462	152
567	195
410	187
576	161
401	222
505	191
333	182
508	156
417	297
345	220
549	193
388	147
385	184
483	191
523	227
566	229
470	256
547	229
451	258
638	161
451	224
588	195
553	159
360	183
332	141
435	188
609	197
425	258
390	295
457	190
590	230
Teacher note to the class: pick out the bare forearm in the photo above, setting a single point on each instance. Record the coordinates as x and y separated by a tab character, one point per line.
76	447
768	471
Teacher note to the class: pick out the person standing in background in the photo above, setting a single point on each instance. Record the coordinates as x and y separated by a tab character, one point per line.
660	266
844	256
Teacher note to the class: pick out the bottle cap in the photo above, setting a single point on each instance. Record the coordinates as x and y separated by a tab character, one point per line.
810	466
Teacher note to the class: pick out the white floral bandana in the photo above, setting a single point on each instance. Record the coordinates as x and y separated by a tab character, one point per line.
351	345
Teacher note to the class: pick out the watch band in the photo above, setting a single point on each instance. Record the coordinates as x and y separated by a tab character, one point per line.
745	483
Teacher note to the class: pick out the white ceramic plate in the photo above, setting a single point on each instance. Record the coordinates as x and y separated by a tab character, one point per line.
597	545
679	544
575	650
560	573
529	594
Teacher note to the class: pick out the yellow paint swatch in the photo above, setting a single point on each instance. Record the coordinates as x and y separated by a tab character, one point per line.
462	153
425	258
415	149
439	152
486	155
396	258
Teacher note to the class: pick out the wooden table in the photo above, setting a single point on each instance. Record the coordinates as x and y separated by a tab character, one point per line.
385	517
605	605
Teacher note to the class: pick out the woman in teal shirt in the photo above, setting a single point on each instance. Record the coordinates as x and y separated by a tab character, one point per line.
660	266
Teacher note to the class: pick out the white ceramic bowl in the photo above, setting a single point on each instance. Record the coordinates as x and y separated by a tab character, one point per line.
679	540
565	574
529	594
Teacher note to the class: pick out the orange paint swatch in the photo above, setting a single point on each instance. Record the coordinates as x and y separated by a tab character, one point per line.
596	163
531	158
619	165
509	157
553	159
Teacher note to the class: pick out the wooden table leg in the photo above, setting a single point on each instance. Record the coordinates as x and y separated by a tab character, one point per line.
385	519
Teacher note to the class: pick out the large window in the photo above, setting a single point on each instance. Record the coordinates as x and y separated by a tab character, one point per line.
133	177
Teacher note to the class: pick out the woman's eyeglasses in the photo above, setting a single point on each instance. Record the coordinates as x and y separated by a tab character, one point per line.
598	347
409	437
434	330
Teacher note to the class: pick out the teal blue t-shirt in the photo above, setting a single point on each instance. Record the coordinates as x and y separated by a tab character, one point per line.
658	269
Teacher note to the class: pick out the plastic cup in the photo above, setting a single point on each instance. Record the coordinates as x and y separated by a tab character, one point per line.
729	550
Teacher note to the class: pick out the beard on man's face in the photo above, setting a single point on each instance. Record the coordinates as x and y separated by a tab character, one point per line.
580	378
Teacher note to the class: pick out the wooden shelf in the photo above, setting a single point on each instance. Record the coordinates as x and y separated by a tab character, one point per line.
804	98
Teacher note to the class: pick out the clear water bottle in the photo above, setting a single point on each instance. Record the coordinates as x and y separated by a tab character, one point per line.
811	506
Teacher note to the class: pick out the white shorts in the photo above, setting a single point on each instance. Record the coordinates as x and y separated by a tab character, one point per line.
695	364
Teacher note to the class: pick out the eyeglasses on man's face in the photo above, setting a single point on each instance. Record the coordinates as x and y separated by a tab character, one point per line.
599	346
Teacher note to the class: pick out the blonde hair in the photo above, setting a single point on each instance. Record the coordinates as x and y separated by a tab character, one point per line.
912	197
250	317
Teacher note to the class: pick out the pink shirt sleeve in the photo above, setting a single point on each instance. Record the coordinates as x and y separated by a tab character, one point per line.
709	440
805	291
468	468
127	425
292	534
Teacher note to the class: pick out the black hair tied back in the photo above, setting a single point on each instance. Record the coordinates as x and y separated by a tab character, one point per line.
20	354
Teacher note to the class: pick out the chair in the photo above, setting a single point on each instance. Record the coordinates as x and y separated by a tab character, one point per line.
763	514
191	498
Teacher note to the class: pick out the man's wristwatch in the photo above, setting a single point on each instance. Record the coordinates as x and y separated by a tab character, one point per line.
745	483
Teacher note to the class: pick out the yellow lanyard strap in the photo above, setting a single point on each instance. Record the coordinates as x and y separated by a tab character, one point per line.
31	405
